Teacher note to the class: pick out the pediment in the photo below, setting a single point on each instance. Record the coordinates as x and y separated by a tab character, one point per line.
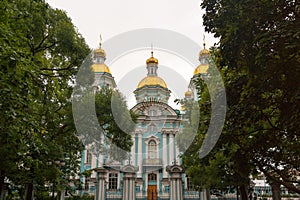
161	109
152	137
130	168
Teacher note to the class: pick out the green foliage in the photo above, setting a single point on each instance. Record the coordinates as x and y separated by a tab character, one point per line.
189	124
83	197
113	123
259	60
39	56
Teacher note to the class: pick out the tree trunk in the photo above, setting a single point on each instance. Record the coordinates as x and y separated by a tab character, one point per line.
29	191
276	191
244	192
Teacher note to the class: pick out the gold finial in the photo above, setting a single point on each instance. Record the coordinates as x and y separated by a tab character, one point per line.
204	50
204	41
100	44
152	59
151	50
99	51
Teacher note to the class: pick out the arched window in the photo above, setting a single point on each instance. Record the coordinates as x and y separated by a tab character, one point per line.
152	149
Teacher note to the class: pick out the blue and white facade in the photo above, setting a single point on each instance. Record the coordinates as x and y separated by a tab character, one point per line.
153	168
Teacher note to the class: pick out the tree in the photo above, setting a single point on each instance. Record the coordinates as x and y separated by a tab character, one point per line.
260	132
103	118
40	55
213	169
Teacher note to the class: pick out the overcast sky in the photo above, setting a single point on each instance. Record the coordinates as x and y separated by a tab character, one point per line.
111	18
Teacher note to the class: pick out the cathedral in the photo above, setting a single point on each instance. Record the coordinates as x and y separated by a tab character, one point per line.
153	170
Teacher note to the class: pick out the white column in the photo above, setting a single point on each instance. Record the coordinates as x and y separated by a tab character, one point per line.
100	157
133	150
140	154
125	189
165	155
133	195
177	152
171	189
101	172
101	192
129	182
171	148
175	172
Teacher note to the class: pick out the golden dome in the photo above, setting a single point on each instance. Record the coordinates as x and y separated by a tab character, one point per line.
100	68
204	51
188	93
201	69
182	108
152	59
99	52
152	81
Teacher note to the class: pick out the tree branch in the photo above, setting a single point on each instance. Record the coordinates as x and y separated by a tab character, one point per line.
271	176
40	44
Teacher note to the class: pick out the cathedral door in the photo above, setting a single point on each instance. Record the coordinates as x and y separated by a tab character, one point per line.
152	192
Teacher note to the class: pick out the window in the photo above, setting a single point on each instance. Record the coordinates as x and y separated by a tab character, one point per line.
88	157
152	149
113	181
167	188
137	188
99	60
203	60
152	177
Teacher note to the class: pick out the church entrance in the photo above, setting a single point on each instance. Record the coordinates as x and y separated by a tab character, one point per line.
152	186
152	192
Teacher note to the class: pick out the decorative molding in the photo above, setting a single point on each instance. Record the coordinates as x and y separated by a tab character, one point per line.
152	137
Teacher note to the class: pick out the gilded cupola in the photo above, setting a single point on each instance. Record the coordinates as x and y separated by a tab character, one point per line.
151	59
99	59
152	86
204	55
152	79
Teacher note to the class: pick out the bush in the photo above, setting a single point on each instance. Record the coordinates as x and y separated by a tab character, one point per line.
83	197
